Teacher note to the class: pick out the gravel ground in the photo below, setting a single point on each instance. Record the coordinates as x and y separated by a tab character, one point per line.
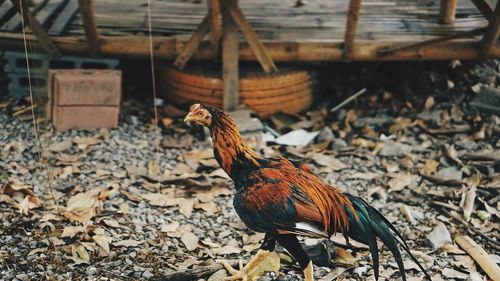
163	205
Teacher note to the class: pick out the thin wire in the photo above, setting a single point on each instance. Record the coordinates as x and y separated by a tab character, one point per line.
153	78
38	142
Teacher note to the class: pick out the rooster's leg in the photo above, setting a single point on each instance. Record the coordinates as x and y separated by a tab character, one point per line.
292	245
253	267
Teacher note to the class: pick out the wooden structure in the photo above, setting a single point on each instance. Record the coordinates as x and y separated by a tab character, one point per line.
322	30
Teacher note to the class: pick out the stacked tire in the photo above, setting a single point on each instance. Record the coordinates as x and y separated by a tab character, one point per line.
288	91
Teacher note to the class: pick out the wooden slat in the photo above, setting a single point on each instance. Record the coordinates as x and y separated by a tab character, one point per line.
447	11
64	18
37	29
485	8
230	57
48	10
192	44
491	35
5	8
215	23
264	58
350	30
416	46
88	20
286	51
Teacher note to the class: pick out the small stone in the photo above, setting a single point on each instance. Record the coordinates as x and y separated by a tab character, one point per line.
148	274
439	236
22	277
91	271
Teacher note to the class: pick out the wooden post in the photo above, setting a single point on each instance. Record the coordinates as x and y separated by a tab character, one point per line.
89	24
263	56
447	11
37	29
485	8
491	35
350	29
192	44
215	23
230	57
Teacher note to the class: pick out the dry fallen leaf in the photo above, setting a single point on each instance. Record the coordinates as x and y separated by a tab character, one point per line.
71	231
20	196
190	241
430	166
170	227
400	181
86	142
226	250
83	206
103	240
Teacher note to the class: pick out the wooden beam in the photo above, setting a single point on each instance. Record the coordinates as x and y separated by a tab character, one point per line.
230	58
491	35
485	8
286	51
29	19
418	45
350	29
263	56
90	26
215	24
447	11
192	44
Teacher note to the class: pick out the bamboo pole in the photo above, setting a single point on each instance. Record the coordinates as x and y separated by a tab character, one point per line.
90	26
491	35
447	11
171	47
350	30
230	58
28	18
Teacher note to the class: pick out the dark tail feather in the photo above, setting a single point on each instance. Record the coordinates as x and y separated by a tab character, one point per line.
372	224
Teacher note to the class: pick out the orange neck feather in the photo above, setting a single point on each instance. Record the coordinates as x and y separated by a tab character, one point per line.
232	153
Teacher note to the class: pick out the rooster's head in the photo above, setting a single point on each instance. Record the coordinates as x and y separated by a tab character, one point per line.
199	115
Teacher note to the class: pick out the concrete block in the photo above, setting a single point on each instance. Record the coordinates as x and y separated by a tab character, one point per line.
85	117
87	87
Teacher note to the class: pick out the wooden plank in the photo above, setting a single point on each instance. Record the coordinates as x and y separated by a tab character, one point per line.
48	10
89	24
264	58
230	58
64	18
350	30
14	23
192	44
285	51
491	35
421	44
215	23
5	7
485	8
447	11
37	29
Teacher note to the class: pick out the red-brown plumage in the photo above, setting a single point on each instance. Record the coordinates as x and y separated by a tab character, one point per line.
284	198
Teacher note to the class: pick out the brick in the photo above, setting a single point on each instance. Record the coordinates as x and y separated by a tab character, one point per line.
87	87
85	117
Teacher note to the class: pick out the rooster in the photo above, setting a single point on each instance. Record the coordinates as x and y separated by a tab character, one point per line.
284	199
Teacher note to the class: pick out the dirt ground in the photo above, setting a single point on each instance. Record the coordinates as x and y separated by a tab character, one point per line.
140	202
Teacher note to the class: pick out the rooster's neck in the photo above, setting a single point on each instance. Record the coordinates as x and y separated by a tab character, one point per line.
232	153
